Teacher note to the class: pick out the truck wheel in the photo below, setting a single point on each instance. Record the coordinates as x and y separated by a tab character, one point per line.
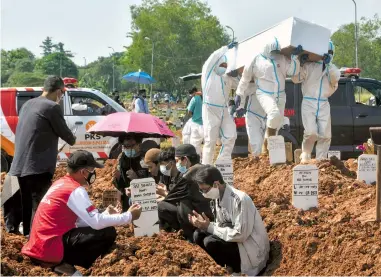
115	151
4	162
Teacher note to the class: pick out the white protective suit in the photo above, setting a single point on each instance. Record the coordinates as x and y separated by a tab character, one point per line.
215	115
269	72
317	86
248	230
255	120
187	131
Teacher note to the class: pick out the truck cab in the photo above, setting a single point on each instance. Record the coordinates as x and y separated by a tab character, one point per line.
81	107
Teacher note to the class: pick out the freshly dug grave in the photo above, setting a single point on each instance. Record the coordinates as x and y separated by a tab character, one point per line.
162	255
336	239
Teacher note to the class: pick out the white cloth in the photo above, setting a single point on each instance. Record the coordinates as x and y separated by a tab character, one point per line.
215	115
255	119
186	132
81	205
317	87
79	107
269	72
248	230
197	136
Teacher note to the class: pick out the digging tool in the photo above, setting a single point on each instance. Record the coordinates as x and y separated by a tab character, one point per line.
375	134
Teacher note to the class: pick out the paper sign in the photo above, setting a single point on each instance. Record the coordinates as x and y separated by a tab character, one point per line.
110	197
305	186
367	168
143	192
334	153
277	149
226	169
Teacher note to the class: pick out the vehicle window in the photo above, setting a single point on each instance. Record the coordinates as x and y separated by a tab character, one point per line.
338	98
367	93
22	99
89	106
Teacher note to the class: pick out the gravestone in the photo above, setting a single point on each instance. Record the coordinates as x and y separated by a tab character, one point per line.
297	154
226	169
305	186
289	154
367	168
277	150
143	192
110	197
334	153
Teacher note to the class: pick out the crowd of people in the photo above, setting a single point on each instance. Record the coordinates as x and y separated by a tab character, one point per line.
65	229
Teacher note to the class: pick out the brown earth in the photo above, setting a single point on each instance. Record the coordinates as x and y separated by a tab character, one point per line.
339	238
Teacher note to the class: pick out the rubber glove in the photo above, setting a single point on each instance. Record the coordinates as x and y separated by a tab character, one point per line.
240	112
238	101
232	44
303	59
297	50
327	58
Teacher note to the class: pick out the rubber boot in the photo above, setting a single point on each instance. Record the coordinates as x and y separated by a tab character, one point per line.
304	157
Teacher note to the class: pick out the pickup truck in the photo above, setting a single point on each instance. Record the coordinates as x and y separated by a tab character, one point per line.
355	106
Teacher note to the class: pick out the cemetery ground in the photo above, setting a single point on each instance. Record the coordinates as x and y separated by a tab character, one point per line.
338	238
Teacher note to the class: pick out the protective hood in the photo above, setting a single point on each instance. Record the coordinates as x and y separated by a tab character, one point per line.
271	46
331	47
223	59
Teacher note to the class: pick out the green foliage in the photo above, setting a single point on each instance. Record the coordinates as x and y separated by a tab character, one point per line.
59	47
24	65
10	59
369	48
57	63
183	32
47	46
28	79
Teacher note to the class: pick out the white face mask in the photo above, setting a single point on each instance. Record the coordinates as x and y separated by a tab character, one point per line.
165	171
143	164
220	71
213	193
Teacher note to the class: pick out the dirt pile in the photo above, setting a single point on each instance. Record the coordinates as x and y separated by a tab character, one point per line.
335	239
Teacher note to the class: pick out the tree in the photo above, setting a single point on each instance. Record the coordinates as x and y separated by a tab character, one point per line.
24	65
369	49
29	79
9	60
59	47
57	64
47	46
184	34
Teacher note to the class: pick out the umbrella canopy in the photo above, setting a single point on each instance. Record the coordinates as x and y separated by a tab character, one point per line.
140	77
144	125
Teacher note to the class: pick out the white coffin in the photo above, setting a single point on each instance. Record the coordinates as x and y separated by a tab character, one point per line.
290	33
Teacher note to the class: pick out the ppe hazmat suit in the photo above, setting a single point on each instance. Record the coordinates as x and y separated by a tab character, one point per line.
255	120
269	70
215	115
318	85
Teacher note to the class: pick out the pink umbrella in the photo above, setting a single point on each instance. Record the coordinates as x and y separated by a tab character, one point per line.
145	125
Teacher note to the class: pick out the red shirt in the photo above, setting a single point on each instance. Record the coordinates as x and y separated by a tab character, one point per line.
52	220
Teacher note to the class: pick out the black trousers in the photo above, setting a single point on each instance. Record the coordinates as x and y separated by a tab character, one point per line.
224	253
176	217
82	246
12	211
33	189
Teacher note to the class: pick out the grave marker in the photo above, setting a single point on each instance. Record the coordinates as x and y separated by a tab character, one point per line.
277	149
367	169
143	192
110	197
226	169
334	153
289	154
305	186
297	154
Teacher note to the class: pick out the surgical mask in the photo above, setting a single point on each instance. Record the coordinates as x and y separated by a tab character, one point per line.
143	164
165	171
213	193
220	70
181	168
91	178
130	153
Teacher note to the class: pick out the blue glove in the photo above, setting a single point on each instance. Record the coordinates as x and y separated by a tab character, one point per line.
237	100
240	112
297	50
327	58
232	44
303	59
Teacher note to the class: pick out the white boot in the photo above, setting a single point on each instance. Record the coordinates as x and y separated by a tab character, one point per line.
304	157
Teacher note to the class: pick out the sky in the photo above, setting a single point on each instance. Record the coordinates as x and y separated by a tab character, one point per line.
89	27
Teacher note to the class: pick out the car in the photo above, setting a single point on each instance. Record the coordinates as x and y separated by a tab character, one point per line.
97	106
355	107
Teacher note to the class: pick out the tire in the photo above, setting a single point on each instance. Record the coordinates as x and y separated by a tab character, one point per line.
4	162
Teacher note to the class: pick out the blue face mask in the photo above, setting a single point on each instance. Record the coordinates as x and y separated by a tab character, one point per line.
181	168
220	71
130	153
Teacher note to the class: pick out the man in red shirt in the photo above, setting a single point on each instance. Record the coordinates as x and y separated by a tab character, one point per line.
67	229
